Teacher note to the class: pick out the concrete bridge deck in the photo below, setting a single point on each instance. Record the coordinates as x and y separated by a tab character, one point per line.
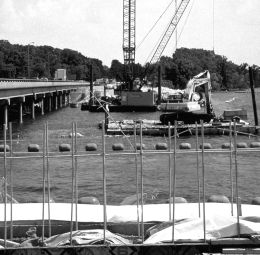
48	95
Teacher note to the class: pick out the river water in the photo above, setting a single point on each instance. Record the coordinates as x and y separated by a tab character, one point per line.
121	170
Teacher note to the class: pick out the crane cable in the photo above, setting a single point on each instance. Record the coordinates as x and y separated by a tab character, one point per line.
185	22
177	36
213	24
154	25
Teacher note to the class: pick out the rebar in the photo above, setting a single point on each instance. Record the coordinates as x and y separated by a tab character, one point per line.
43	180
172	156
203	181
197	165
137	183
170	170
104	180
142	181
5	186
76	177
48	179
236	180
11	180
230	168
174	179
72	182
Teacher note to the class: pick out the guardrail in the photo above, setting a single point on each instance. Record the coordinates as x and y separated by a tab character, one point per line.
24	84
39	80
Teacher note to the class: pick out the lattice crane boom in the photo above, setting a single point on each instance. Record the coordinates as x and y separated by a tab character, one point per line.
169	31
129	21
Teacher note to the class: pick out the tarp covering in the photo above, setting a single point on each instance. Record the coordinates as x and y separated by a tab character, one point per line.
193	229
120	213
84	237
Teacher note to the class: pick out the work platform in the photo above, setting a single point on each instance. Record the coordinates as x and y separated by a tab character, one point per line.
155	128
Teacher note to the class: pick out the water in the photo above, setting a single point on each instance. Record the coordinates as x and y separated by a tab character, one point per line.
121	171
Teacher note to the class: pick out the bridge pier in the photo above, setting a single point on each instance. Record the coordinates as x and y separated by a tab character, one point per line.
6	115
68	98
61	103
50	103
20	112
42	106
33	110
64	99
21	101
56	102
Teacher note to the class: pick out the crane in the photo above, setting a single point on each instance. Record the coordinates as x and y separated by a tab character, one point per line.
169	30
129	17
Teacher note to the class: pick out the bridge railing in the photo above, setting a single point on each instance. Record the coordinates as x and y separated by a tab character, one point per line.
29	83
39	80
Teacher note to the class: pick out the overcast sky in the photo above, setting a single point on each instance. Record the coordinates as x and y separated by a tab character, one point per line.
94	27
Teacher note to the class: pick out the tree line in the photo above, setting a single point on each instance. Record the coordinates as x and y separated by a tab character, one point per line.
18	61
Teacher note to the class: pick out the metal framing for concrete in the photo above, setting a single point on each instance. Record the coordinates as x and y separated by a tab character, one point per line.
174	247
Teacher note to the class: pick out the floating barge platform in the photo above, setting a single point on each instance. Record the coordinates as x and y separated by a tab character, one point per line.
156	128
119	108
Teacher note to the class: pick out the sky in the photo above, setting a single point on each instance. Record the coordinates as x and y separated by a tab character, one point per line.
95	27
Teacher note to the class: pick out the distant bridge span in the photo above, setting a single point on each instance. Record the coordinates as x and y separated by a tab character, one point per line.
17	95
10	88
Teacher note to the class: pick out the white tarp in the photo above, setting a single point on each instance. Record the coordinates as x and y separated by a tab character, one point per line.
84	237
120	213
193	229
185	107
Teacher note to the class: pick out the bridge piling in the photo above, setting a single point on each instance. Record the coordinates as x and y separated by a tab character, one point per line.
33	110
61	100
21	101
21	112
6	115
56	102
42	106
50	103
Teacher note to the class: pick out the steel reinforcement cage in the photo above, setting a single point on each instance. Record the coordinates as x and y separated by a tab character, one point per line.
228	245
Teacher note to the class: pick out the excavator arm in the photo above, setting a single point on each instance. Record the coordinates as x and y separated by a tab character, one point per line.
202	79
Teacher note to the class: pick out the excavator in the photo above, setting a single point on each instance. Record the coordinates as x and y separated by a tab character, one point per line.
192	102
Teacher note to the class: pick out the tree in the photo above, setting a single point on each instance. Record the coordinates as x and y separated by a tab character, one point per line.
117	70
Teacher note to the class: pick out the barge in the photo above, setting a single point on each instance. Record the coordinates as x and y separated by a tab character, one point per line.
157	128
